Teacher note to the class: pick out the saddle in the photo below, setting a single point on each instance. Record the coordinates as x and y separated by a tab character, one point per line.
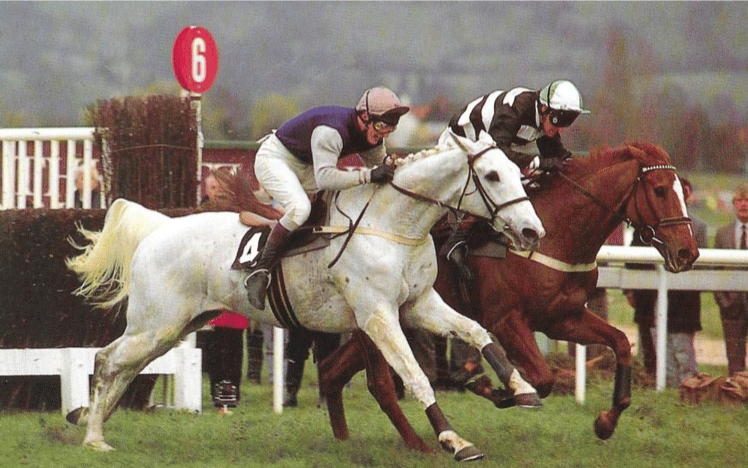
301	240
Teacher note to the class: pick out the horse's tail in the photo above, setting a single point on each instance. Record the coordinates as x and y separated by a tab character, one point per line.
104	265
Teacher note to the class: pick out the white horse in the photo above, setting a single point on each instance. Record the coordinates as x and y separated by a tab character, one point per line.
174	270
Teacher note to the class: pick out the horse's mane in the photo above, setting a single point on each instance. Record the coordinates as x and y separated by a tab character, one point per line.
237	196
601	157
424	153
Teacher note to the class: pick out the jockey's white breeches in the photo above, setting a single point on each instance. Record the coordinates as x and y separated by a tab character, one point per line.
287	179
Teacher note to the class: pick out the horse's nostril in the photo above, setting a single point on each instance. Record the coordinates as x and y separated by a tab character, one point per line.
530	234
687	256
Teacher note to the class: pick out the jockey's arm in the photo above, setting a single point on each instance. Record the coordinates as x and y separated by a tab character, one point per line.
253	219
327	145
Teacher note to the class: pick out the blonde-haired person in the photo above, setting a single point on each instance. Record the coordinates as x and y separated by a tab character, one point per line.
80	173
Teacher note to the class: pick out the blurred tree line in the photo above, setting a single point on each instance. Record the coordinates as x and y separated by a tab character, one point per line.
635	103
623	110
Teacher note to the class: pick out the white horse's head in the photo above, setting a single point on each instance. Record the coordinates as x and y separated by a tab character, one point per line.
472	177
495	192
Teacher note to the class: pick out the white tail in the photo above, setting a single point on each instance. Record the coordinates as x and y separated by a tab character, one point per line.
104	265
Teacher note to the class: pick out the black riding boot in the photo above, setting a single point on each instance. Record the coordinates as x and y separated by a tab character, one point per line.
457	251
257	282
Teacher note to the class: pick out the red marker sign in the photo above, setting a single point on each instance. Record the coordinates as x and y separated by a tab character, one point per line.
195	59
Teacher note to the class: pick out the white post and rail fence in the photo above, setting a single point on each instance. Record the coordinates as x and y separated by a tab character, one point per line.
38	171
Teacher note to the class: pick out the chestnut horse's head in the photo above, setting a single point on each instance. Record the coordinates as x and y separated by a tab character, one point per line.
657	208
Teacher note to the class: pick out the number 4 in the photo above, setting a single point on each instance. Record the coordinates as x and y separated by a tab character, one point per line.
251	249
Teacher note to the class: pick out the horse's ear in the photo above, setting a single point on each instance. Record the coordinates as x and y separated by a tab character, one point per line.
636	152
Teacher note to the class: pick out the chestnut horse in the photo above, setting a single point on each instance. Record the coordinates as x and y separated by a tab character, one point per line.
547	291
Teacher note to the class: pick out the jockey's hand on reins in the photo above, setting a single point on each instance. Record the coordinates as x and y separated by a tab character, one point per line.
382	174
552	164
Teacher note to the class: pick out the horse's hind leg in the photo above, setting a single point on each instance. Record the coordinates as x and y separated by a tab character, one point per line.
358	353
115	367
334	372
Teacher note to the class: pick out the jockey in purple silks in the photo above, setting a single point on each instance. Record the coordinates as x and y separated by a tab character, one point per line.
301	157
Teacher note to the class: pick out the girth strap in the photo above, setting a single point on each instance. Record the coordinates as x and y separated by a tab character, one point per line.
555	264
279	302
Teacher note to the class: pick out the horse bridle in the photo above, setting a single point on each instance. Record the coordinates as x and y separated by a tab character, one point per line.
491	205
647	232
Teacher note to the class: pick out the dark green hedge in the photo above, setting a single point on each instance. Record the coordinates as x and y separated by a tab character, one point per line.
37	307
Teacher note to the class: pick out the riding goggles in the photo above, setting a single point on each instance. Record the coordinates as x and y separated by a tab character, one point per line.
562	118
382	126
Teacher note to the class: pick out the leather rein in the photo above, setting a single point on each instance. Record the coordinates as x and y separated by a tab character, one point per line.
491	205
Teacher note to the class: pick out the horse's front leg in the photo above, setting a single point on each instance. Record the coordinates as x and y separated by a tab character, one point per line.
433	314
587	328
382	326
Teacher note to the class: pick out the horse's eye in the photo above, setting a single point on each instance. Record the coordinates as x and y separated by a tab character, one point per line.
661	192
493	176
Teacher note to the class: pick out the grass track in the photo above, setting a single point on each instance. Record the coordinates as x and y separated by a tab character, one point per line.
657	431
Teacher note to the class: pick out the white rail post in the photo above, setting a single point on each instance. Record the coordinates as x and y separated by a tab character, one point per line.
70	166
75	389
54	174
187	375
278	376
23	175
38	166
661	326
9	174
581	373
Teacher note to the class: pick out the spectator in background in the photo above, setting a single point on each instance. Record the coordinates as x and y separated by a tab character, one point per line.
683	317
223	348
684	314
80	173
255	340
300	340
732	304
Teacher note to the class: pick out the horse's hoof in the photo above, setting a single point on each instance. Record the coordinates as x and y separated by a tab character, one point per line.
469	454
506	403
603	427
523	400
99	446
74	417
528	400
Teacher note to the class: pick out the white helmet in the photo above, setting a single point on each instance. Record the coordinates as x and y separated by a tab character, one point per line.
564	100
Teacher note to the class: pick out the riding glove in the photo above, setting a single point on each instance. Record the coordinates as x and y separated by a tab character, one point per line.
382	174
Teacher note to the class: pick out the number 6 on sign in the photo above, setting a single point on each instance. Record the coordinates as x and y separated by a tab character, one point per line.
195	59
199	70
